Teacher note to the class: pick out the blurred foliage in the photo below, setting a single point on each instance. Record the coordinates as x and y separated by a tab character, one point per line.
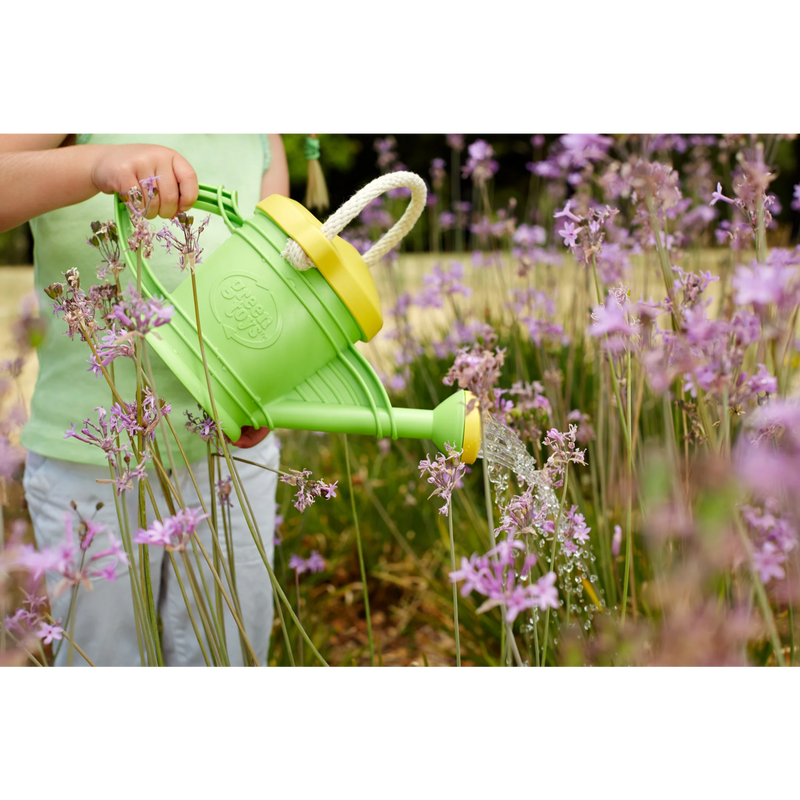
349	161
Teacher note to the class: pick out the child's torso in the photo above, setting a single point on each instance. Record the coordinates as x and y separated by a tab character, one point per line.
65	391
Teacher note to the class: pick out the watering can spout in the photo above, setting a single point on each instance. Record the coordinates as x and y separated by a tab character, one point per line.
279	338
451	422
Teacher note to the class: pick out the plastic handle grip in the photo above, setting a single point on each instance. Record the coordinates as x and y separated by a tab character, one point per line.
209	198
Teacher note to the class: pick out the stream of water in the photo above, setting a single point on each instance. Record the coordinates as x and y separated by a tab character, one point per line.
505	453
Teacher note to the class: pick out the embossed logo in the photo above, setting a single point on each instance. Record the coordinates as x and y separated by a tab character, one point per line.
246	310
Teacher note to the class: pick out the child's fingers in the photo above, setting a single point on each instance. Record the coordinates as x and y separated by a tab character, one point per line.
124	182
187	182
168	192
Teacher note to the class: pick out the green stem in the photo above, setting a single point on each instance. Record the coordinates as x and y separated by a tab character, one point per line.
71	642
487	488
455	588
629	525
188	608
360	552
299	615
763	600
553	559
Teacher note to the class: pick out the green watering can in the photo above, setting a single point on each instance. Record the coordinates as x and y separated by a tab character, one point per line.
282	303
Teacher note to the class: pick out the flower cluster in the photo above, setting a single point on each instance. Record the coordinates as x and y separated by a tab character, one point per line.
750	182
114	344
537	311
493	576
445	473
562	453
106	239
71	560
174	532
480	165
139	315
478	370
529	411
522	515
614	323
29	617
185	240
774	537
122	418
73	305
308	490
584	235
138	203
455	141
203	425
442	283
314	563
224	490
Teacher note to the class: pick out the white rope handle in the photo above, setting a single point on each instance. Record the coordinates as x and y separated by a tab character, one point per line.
337	221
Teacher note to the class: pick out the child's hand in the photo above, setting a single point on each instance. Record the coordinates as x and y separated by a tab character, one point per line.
250	437
118	168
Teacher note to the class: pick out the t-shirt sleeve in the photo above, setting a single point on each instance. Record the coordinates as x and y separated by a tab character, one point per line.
267	151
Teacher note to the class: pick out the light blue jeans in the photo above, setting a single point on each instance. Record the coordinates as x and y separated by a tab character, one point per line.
104	621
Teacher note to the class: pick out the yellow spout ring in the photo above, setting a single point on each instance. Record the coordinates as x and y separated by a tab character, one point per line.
472	431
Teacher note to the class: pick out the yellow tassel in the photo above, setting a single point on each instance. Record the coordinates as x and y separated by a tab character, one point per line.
316	189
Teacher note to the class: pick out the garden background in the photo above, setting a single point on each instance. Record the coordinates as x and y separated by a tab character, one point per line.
405	541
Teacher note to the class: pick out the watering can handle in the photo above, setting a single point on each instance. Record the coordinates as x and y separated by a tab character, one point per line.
356	204
209	198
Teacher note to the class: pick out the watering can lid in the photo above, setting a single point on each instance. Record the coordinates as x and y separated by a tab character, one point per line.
339	262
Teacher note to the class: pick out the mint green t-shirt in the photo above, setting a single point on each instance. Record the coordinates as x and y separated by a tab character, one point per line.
66	391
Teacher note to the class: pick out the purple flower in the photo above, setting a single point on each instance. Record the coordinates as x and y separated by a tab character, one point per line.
562	453
314	563
18	622
204	426
115	344
492	575
140	315
569	234
445	473
455	141
545	592
565	212
611	321
477	370
68	559
308	490
717	195
580	148
173	533
480	164
186	241
530	236
616	541
767	562
442	283
106	239
774	282
447	220
49	632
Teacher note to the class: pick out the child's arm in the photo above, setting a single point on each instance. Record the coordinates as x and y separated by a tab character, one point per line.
37	175
276	178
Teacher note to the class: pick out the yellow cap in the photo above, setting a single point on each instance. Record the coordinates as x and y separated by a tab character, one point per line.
338	261
472	431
